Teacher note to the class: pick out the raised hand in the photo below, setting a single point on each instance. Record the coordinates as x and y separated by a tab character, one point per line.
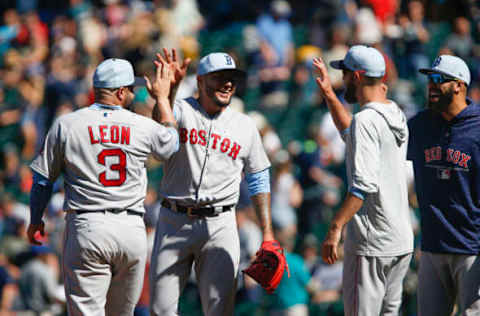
179	71
159	88
323	80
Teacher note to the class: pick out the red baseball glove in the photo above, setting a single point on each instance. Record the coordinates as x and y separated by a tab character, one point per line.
269	265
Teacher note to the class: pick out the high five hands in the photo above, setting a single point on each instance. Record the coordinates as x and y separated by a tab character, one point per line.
159	87
179	70
323	80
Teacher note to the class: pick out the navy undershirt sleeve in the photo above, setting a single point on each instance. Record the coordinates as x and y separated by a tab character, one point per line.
40	194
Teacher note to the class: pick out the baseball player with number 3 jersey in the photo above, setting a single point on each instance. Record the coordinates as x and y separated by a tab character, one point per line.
200	189
101	151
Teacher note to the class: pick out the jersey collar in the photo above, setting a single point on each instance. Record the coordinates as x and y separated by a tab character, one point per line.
99	106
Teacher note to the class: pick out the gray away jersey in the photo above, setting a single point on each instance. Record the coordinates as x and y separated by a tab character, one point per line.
213	153
102	153
376	164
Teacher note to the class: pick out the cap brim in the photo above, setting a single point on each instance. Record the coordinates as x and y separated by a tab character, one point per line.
338	64
139	81
427	71
239	74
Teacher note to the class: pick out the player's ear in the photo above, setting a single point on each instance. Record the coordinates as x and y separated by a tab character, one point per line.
458	86
357	75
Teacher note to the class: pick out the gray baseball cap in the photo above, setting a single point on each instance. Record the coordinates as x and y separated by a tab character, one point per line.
451	66
363	58
217	62
115	73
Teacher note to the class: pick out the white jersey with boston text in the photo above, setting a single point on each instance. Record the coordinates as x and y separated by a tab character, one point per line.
102	153
214	150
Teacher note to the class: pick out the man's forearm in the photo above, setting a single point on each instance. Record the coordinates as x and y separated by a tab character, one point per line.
340	115
162	112
350	206
172	95
261	203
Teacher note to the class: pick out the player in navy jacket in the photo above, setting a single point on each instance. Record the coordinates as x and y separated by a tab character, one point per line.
444	147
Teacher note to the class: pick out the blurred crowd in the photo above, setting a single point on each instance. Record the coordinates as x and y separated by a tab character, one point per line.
49	50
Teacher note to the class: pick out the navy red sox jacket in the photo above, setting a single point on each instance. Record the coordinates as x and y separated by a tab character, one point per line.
446	162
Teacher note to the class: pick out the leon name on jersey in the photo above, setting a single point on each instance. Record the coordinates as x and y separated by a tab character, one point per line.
109	134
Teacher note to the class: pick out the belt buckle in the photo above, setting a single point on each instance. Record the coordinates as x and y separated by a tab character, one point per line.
189	212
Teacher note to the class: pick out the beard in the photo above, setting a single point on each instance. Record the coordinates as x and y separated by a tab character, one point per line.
350	93
444	99
210	91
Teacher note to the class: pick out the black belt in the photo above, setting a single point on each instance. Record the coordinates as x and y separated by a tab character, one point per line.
200	211
112	210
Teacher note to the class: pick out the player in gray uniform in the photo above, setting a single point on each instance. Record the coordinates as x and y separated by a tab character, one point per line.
101	151
379	237
200	189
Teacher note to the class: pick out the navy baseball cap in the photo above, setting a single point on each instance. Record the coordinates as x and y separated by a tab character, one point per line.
362	58
116	73
451	66
218	62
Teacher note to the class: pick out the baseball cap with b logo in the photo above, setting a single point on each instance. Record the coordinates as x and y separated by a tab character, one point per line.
217	62
115	73
450	66
362	58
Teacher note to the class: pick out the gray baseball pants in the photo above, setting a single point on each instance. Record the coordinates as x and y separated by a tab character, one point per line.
103	263
373	285
444	279
213	244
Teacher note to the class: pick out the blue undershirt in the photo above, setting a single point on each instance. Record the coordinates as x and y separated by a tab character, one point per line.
40	194
258	182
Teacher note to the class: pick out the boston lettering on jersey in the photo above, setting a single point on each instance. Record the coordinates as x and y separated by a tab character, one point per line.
452	155
200	137
109	134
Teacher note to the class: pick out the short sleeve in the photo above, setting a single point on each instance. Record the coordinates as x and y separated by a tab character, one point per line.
49	162
256	159
164	141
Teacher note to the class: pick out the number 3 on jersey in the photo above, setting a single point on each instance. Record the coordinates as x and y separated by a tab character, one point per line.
120	167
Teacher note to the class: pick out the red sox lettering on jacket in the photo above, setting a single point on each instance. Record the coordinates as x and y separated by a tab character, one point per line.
454	156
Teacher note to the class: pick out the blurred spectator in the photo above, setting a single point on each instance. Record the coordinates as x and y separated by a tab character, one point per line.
383	9
337	48
333	144
327	278
287	196
250	236
460	41
276	53
415	37
8	290
367	29
321	187
9	30
270	138
38	283
292	295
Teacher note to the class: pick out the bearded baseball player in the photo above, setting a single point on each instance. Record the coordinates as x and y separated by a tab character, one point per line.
444	148
200	189
379	238
101	151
